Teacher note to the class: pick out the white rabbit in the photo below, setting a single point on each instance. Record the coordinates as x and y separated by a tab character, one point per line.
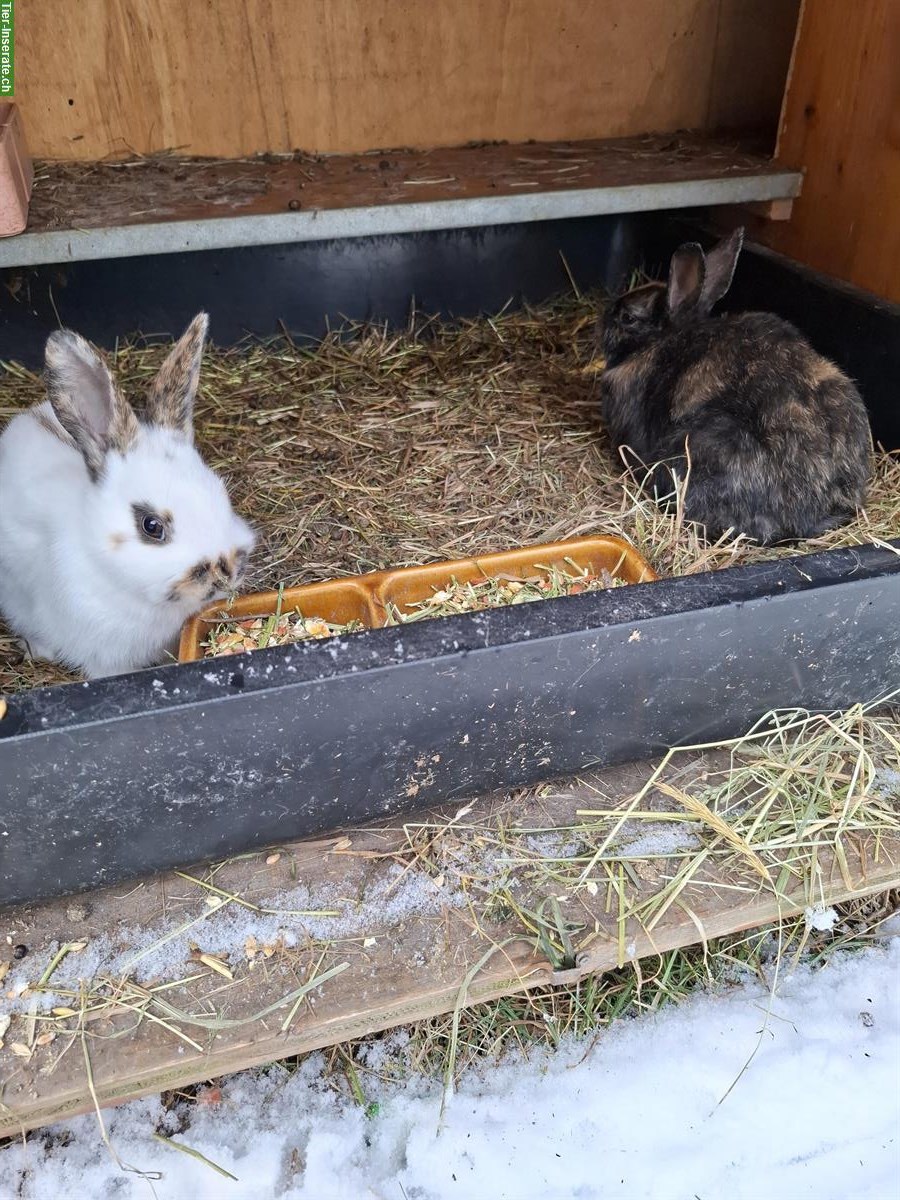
112	529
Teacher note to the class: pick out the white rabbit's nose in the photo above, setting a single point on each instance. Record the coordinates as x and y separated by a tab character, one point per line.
229	568
210	578
238	565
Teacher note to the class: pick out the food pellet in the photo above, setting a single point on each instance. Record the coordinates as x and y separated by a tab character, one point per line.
456	597
256	633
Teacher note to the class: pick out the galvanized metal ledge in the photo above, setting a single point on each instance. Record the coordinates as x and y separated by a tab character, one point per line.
219	233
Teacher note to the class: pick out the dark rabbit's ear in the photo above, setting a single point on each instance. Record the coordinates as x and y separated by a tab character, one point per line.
720	264
642	303
686	275
171	402
86	401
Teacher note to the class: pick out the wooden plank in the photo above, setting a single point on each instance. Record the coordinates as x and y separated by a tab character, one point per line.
841	124
163	205
414	934
72	196
241	76
771	210
753	50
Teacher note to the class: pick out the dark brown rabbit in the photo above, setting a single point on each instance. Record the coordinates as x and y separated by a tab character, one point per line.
777	436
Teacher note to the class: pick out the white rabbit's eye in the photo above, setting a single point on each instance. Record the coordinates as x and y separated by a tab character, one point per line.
151	524
153	528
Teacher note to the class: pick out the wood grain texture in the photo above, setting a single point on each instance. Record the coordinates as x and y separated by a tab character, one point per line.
164	188
235	77
421	957
841	123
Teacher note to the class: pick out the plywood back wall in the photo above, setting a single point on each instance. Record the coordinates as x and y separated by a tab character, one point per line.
235	77
842	125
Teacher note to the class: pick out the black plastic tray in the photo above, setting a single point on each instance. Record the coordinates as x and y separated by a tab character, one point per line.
121	777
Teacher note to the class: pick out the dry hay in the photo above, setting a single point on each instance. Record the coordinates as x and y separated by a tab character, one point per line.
376	448
797	791
386	448
779	813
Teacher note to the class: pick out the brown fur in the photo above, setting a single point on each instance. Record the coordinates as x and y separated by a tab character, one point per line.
94	446
778	437
123	429
631	374
207	580
171	400
86	401
821	370
696	387
53	427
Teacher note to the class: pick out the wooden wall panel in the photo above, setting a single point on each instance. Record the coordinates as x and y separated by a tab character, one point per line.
753	49
841	122
234	77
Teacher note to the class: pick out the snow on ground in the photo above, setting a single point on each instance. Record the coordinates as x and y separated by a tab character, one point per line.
645	1111
162	949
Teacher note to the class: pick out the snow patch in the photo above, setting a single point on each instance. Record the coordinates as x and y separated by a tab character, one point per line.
820	918
162	950
640	1112
659	839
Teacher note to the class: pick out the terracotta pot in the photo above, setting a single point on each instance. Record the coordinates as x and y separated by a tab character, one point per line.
16	172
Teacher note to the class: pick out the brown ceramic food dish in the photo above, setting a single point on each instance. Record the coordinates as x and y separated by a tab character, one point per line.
369	599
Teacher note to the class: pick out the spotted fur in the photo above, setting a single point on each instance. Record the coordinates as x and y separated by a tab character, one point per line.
85	401
208	580
777	436
81	579
51	425
171	401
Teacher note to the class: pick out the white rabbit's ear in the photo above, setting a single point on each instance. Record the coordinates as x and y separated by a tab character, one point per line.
720	265
686	275
86	401
171	402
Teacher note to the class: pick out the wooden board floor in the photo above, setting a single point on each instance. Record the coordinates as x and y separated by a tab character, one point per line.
418	925
167	204
169	188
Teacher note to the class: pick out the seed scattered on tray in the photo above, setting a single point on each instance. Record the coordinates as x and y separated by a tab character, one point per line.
280	629
459	597
255	633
